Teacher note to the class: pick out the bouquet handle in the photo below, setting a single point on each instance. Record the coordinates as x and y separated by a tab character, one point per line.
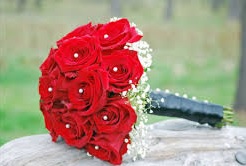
168	104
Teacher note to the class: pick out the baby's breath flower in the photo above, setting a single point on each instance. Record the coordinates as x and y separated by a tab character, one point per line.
138	96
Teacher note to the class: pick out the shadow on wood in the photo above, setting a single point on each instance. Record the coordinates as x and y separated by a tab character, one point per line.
172	142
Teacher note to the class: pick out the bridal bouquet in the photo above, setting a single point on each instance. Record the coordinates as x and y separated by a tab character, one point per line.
94	92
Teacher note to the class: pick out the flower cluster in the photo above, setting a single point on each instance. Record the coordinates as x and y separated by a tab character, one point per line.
89	84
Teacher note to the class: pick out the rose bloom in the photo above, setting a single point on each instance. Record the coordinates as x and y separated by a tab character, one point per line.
75	130
48	80
116	34
49	88
78	53
109	147
124	69
84	30
87	92
49	64
116	115
48	122
46	88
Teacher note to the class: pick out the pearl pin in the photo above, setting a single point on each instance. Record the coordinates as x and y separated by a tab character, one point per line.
105	36
124	93
167	91
194	98
105	117
96	147
176	94
75	55
162	100
126	140
67	126
81	90
115	69
50	89
88	154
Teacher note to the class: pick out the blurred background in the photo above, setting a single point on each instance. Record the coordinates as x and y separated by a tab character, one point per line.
196	50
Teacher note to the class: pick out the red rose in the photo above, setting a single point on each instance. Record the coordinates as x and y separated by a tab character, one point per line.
81	31
116	34
78	53
116	116
109	147
47	87
47	118
87	92
49	64
124	68
75	130
49	122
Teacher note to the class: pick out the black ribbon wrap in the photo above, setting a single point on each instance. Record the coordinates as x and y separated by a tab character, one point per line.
168	104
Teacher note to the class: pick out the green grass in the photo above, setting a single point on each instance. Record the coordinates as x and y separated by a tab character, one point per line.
196	53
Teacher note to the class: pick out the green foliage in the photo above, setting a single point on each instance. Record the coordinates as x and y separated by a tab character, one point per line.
196	53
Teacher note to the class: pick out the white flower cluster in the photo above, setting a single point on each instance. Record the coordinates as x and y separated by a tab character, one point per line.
113	19
144	53
139	97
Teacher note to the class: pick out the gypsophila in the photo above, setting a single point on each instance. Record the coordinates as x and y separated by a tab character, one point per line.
139	98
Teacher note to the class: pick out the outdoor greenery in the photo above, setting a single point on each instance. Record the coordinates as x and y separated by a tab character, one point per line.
195	53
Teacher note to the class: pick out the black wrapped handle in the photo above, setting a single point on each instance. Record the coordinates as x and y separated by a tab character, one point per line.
167	104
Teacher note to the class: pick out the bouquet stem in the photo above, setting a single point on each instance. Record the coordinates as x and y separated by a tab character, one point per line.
228	116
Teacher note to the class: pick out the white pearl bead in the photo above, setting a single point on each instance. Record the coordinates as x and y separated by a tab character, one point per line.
67	126
130	81
81	90
185	96
50	89
105	36
205	101
115	69
193	98
162	100
176	94
167	91
105	117
75	55
124	93
126	140
96	147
